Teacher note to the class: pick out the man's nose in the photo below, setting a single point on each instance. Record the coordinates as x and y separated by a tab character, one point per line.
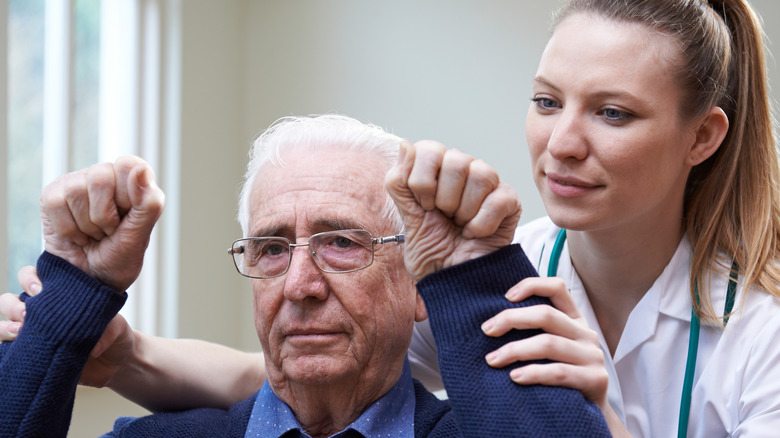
304	279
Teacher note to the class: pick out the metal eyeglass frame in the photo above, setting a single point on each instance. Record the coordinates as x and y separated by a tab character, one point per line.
399	238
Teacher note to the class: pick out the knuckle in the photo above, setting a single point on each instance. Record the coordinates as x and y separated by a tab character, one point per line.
484	172
430	146
591	336
51	197
557	373
72	189
420	184
597	358
547	314
547	342
458	158
101	176
599	382
557	283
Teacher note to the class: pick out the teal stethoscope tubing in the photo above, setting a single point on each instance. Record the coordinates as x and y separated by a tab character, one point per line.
693	335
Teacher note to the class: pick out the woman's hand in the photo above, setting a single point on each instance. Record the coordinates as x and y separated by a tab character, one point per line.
573	348
112	351
12	308
577	361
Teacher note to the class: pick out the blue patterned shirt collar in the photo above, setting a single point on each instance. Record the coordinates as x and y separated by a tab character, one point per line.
390	416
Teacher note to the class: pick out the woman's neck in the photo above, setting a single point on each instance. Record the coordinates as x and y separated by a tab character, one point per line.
618	267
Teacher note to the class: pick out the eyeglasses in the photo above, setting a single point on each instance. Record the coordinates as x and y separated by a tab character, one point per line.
333	252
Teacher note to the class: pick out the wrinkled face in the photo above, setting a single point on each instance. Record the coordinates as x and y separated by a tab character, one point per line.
321	328
605	133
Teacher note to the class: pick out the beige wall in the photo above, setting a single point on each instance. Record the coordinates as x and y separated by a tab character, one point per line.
3	139
457	71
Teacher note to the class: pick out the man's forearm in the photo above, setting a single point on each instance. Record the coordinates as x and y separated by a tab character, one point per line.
40	369
179	374
485	400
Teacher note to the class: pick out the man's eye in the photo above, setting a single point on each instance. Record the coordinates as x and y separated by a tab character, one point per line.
342	242
274	249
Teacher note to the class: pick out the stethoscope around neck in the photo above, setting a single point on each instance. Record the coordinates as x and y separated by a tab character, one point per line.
693	334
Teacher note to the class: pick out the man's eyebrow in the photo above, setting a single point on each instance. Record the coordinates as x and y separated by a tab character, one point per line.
271	231
322	225
340	224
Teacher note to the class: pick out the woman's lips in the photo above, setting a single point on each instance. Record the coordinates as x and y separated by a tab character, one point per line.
567	186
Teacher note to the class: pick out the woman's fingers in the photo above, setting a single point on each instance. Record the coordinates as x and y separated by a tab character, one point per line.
12	309
576	364
545	347
551	287
576	360
592	381
542	316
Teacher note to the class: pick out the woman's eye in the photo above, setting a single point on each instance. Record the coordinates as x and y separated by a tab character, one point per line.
544	103
615	115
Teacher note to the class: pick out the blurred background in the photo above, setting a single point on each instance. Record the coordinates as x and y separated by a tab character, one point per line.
187	84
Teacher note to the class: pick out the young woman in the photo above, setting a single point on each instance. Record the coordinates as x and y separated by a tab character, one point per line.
651	139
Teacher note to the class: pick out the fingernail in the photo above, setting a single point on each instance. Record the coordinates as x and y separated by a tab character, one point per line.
491	357
145	178
487	326
516	374
24	314
35	288
14	328
511	295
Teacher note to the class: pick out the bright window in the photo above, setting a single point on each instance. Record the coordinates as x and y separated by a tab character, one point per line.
84	85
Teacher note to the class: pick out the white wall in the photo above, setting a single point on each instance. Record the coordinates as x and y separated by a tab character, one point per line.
457	71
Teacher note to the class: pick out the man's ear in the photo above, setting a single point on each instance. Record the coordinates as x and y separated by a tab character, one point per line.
710	133
420	313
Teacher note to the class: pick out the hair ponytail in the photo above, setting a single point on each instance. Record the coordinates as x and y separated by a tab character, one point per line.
732	203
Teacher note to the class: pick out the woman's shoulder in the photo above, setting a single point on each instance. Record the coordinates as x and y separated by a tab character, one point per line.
757	306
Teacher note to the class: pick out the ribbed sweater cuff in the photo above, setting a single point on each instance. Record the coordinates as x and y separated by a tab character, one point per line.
478	286
72	307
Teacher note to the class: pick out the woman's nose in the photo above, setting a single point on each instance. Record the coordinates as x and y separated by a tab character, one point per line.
568	138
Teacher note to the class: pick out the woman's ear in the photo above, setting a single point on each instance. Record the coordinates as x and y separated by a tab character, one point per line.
710	133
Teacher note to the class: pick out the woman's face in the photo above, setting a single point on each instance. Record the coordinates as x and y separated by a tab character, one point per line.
607	140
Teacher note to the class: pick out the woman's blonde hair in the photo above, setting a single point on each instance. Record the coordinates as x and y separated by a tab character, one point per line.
731	199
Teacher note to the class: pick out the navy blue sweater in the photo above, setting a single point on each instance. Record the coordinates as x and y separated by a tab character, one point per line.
40	370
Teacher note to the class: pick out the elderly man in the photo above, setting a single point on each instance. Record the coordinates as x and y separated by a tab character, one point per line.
334	318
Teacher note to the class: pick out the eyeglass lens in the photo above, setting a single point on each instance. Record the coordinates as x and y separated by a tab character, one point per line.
332	251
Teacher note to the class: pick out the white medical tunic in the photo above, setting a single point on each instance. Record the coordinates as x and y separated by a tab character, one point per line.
736	391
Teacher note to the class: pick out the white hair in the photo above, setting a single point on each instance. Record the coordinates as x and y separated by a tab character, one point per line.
332	130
